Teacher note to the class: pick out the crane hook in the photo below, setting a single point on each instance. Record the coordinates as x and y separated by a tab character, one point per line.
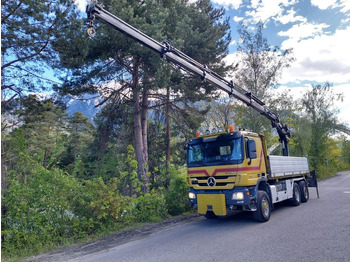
91	30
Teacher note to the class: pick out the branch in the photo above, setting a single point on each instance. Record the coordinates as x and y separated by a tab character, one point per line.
40	77
4	102
11	13
27	57
40	50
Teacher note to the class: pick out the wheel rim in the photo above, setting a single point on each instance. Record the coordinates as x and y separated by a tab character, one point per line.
265	207
306	193
297	194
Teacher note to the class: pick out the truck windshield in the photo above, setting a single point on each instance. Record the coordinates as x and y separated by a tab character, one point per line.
223	152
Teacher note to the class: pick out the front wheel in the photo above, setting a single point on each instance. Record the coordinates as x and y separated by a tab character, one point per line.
263	211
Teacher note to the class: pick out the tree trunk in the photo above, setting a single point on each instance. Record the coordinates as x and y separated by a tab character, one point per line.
140	131
144	124
168	132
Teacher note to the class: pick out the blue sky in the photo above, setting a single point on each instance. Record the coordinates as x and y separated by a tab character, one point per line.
317	30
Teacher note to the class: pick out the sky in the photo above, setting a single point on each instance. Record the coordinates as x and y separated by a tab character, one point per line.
317	30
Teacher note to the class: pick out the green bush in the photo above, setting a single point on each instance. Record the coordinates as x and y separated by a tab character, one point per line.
46	208
101	203
176	195
38	212
149	207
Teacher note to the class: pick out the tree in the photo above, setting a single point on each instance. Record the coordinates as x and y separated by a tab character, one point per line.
258	71
44	125
133	73
27	27
80	136
319	105
346	153
220	115
39	139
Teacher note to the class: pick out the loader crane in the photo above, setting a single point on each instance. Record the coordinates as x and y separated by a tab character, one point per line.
229	170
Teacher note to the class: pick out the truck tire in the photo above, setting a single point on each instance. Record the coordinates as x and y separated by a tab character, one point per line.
263	211
295	201
304	191
210	215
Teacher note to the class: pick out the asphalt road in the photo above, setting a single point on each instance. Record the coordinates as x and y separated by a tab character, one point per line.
318	230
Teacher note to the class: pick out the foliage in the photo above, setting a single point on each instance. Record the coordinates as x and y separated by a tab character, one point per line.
43	208
101	203
134	74
150	207
319	105
176	195
221	114
51	207
27	28
39	211
258	70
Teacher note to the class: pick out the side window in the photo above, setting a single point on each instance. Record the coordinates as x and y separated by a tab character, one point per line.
195	154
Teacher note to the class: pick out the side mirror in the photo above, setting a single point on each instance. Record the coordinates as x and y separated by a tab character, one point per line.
252	149
186	147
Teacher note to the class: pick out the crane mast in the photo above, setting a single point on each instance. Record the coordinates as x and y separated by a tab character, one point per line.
171	54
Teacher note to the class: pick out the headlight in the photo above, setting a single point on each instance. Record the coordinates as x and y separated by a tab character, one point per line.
191	195
237	196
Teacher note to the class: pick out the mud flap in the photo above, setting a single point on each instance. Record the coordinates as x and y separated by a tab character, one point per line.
312	181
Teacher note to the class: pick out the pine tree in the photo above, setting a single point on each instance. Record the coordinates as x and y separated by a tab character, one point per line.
117	66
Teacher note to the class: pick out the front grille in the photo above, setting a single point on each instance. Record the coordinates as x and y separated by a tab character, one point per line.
221	182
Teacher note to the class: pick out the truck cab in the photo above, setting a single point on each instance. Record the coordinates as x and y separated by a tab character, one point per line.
223	170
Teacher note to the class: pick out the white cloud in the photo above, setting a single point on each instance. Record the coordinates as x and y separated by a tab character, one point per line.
290	17
81	4
233	42
238	19
264	10
322	58
301	31
234	4
345	4
323	4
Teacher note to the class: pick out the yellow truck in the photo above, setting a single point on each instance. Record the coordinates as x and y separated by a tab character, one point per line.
228	170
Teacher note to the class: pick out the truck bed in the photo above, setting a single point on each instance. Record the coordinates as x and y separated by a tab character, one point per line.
286	166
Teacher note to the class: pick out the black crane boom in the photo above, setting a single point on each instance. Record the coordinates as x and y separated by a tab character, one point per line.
175	56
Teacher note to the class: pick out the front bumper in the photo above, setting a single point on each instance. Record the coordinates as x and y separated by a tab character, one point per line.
220	201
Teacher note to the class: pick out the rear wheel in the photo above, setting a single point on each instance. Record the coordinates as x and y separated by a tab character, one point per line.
304	191
295	201
263	211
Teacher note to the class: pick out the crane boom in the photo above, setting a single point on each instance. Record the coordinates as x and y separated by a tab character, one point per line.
175	56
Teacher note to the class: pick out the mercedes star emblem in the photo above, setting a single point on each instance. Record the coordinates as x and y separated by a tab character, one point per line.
211	181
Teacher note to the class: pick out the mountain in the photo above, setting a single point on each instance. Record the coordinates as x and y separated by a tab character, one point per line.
85	104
